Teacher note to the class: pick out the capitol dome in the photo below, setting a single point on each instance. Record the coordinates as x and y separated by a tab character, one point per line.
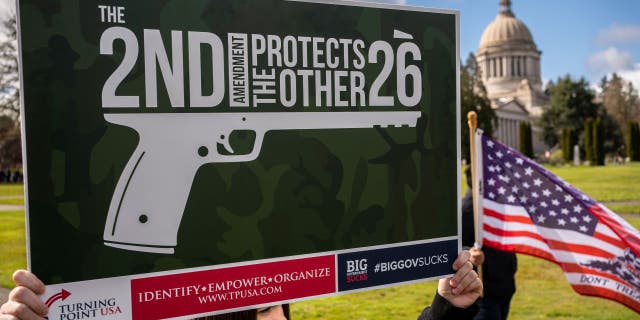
509	64
507	55
506	28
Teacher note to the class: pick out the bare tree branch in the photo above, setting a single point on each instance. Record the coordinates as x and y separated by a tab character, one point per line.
9	78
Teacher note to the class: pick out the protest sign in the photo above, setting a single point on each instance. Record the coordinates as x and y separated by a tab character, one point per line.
196	157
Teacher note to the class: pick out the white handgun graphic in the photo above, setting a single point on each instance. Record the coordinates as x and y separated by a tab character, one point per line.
149	199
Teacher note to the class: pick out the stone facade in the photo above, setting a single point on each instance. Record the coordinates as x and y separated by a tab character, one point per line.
509	62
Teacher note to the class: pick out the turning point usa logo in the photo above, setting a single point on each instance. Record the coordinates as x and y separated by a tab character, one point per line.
82	310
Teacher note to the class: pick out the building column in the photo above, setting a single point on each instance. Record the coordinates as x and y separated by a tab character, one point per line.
485	73
506	131
507	139
510	132
501	130
514	134
504	66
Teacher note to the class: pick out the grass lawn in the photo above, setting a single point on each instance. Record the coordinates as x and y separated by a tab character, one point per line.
11	190
543	292
610	183
12	200
12	245
401	302
624	208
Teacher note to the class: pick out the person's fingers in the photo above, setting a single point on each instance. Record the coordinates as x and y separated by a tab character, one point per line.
468	279
463	257
461	274
24	278
475	286
477	257
27	297
18	310
473	289
7	317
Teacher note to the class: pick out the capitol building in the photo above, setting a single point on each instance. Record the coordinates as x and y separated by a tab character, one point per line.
509	62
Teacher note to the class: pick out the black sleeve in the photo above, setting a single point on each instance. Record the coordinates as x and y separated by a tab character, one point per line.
441	309
468	232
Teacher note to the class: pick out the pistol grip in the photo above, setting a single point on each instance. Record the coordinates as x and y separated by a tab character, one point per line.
149	199
153	189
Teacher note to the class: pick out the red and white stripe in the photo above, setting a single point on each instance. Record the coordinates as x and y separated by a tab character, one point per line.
510	228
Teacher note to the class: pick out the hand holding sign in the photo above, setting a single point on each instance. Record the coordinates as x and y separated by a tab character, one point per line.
23	300
465	286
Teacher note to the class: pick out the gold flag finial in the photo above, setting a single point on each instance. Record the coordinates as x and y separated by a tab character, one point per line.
472	119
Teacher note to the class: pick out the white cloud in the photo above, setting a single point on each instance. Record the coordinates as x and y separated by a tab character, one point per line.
632	75
610	60
627	34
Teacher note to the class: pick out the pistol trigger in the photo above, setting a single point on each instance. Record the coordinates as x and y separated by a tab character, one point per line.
227	145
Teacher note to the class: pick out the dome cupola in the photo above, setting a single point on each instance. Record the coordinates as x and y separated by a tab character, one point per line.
507	55
508	61
506	29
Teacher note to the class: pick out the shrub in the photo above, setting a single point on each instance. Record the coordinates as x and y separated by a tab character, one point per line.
597	146
633	141
526	145
588	140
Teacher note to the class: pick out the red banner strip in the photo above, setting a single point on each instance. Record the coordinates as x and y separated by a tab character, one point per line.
222	289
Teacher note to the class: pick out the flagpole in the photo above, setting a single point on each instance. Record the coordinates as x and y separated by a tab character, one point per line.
472	120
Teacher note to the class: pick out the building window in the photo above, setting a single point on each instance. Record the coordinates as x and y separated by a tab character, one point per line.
500	67
525	65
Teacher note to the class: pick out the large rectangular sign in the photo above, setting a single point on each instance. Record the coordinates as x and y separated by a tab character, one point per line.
195	157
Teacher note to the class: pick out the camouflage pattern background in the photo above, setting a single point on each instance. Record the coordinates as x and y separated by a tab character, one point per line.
309	190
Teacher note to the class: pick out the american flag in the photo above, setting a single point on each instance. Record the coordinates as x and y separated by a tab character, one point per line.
527	209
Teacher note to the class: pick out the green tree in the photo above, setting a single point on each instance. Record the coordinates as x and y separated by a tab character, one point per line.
636	144
473	96
564	144
526	144
567	143
597	143
571	103
633	141
613	142
587	141
10	147
620	99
